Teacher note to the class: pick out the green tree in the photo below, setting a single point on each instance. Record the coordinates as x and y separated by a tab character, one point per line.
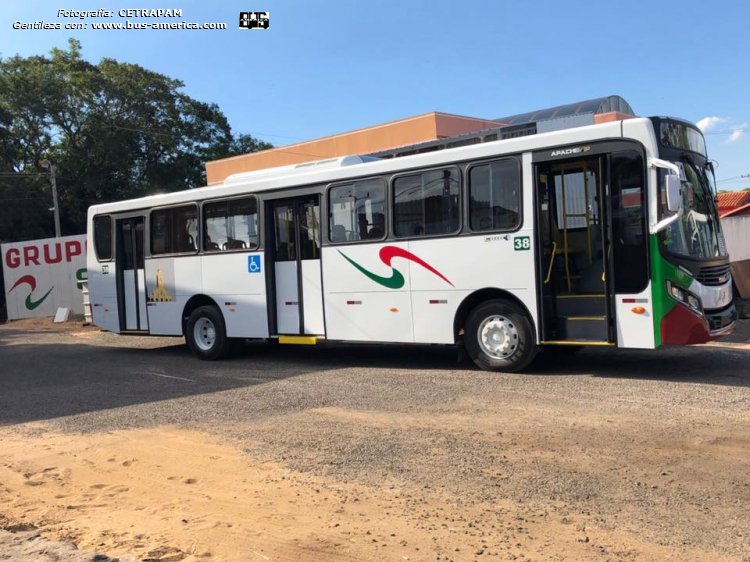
114	130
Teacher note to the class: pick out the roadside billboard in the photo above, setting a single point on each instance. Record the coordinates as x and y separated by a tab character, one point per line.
43	275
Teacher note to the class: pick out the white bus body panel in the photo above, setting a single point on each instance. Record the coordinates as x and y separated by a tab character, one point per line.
165	318
312	293
473	263
239	292
142	309
240	295
358	308
132	312
102	282
287	297
182	279
635	330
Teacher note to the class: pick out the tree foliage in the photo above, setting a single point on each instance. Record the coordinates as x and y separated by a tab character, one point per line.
114	131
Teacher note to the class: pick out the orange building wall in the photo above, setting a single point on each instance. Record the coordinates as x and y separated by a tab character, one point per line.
412	130
610	116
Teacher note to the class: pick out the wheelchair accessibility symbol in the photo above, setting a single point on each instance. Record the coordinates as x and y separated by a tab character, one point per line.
253	263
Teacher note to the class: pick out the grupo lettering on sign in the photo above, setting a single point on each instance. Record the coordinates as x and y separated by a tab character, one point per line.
49	253
42	275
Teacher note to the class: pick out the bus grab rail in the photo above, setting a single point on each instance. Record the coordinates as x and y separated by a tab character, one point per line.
551	262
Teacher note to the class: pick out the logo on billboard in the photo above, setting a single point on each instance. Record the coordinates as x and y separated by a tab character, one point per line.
30	280
396	280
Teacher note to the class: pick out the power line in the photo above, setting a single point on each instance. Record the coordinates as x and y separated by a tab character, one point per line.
271	135
21	174
22	199
730	179
177	137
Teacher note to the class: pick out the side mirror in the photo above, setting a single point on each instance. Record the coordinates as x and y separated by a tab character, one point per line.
674	197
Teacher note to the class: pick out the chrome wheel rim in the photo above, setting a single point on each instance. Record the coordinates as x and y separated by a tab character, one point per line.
498	337
204	334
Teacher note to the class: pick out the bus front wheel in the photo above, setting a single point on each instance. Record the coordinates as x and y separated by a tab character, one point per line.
205	333
499	337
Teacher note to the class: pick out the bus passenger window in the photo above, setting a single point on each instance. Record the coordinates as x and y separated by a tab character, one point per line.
286	249
427	204
103	237
309	231
230	225
174	230
494	196
185	229
356	211
629	224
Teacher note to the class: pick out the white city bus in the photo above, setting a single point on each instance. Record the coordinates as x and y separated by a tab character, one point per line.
601	235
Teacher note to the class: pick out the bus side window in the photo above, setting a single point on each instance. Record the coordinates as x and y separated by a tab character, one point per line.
174	230
427	204
629	226
494	195
185	229
230	225
356	211
103	237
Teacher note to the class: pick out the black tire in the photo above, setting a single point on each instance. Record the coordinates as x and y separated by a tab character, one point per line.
515	344
206	334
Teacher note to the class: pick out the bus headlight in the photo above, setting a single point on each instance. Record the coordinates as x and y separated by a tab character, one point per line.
685	297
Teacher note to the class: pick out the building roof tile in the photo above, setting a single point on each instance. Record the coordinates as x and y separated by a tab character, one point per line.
731	200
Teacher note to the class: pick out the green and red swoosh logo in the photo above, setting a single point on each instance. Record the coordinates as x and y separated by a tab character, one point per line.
31	282
396	280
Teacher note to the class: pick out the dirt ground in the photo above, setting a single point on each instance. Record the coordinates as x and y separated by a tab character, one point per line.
200	499
651	470
170	494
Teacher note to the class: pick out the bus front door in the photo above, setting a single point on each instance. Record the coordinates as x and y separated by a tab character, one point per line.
297	280
574	259
131	279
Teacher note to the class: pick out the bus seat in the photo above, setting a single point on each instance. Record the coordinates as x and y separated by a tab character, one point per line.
234	244
338	233
209	244
378	226
184	242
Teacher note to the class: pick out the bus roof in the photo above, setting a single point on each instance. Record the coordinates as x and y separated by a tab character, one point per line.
350	167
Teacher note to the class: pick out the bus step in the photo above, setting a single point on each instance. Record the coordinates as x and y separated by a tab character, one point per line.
581	305
577	343
592	328
298	340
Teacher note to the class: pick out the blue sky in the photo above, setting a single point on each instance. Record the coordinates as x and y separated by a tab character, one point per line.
325	67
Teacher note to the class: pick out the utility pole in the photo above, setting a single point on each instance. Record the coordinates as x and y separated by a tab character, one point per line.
53	183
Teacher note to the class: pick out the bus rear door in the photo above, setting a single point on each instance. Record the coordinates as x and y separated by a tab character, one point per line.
295	236
131	280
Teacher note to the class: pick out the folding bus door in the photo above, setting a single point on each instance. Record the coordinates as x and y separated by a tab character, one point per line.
297	276
131	279
574	249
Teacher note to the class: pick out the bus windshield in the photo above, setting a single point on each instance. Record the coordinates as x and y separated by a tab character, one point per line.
696	233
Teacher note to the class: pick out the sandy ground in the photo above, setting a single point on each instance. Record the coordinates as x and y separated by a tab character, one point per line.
517	468
169	494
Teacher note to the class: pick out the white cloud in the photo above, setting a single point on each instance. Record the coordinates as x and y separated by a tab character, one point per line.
736	133
708	123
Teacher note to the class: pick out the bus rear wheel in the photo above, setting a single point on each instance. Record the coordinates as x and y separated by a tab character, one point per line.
499	337
206	334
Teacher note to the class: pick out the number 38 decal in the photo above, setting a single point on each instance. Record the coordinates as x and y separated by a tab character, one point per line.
521	243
